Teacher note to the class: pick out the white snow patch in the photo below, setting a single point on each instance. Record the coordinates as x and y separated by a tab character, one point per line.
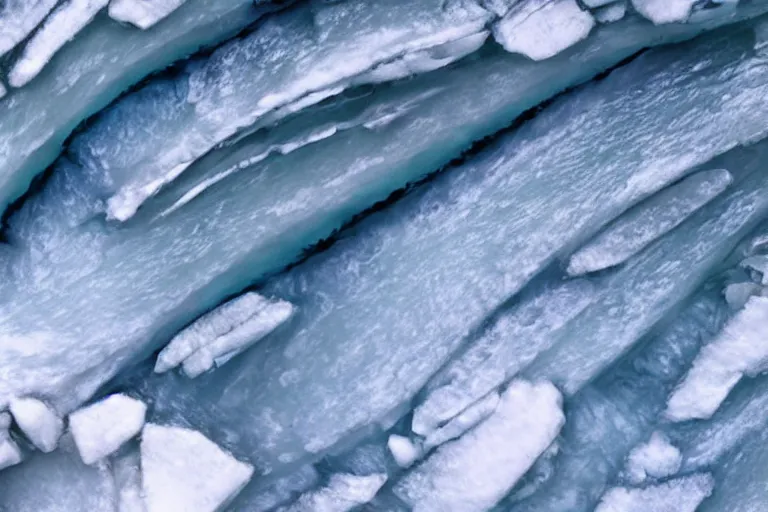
542	29
100	429
142	13
657	458
742	348
476	471
62	25
185	471
679	495
40	424
18	18
664	11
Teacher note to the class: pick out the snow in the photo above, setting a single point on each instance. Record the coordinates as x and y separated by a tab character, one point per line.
39	423
183	470
343	493
103	427
474	472
664	11
61	26
142	13
679	495
541	29
219	335
404	451
18	18
740	349
658	215
657	458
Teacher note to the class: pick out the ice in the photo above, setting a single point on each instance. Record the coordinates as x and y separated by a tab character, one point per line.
477	470
18	18
501	352
10	454
223	333
103	427
404	451
721	364
183	470
41	424
142	13
63	24
611	12
126	471
260	496
636	229
540	29
57	482
760	265
680	495
343	493
664	11
738	294
655	459
468	419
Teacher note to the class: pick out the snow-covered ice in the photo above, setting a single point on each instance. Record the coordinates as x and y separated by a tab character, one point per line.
142	13
655	459
343	493
680	495
42	426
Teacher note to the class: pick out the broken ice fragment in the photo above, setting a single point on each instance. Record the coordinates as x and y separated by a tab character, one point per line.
737	294
404	451
541	29
664	11
611	12
656	459
40	424
679	495
741	349
469	418
126	471
142	13
61	26
758	264
101	428
184	470
219	335
661	213
18	18
474	472
343	493
10	454
5	420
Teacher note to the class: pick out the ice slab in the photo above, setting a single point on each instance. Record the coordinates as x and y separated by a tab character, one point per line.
636	229
20	17
343	493
142	13
657	458
680	495
223	333
103	427
63	24
10	454
540	29
262	496
183	470
126	471
477	470
740	350
468	419
664	11
42	426
505	348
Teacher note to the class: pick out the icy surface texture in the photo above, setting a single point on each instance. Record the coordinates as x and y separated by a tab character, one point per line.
449	255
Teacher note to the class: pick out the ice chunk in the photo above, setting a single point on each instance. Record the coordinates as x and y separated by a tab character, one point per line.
541	29
221	334
343	493
737	294
657	458
611	13
664	11
40	423
5	420
10	454
404	451
62	25
183	470
477	470
636	229
679	495
469	418
758	264
101	428
263	495
18	18
741	349
142	13
513	341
